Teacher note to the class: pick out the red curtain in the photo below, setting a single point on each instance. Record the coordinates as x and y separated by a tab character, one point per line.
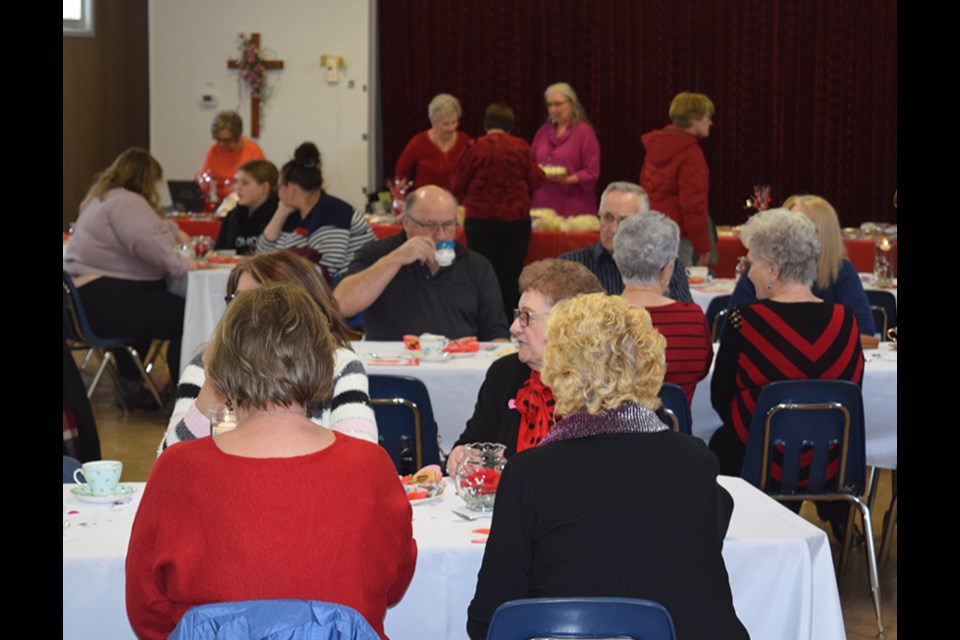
805	91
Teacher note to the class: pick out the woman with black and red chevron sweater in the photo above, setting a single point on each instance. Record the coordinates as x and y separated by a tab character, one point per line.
789	334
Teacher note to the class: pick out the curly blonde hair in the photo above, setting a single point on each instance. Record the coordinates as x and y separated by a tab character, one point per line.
601	353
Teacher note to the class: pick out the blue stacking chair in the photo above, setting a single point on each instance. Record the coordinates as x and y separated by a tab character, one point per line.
69	466
402	407
581	618
77	332
883	305
717	315
677	407
273	620
807	442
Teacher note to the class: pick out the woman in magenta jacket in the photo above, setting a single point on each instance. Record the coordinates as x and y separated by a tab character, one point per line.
568	147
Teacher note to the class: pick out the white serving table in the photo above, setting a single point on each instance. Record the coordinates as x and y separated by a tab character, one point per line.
780	568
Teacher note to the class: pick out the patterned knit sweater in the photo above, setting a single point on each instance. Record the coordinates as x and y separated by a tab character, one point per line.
769	341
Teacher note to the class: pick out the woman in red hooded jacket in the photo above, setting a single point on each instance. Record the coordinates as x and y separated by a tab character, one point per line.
675	173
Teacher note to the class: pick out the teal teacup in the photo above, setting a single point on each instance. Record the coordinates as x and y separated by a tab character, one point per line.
102	476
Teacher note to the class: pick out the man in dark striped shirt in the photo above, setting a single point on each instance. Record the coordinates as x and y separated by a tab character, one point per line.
619	201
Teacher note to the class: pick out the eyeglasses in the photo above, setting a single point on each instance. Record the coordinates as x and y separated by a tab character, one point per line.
524	316
432	227
551	105
609	218
225	140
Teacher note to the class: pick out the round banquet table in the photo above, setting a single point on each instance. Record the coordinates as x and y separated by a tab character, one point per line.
780	568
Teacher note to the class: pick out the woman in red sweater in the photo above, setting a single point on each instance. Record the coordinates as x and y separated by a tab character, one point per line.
430	155
276	508
493	181
645	250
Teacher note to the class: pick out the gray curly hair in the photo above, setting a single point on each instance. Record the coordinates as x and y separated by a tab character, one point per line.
644	245
786	238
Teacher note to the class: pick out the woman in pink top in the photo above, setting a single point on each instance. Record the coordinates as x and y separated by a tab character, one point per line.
118	257
567	148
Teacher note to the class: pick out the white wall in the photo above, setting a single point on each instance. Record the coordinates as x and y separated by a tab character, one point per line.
190	43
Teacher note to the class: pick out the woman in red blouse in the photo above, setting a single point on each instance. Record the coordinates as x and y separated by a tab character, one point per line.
493	181
430	155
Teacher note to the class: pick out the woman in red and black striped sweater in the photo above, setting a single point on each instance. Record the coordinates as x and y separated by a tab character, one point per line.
645	250
789	334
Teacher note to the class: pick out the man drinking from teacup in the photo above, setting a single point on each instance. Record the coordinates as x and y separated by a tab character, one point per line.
407	283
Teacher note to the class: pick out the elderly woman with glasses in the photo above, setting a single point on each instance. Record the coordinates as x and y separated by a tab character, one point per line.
612	502
789	334
348	409
277	507
645	250
430	156
567	146
514	406
229	150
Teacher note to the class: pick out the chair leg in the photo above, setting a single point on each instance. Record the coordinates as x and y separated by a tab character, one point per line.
104	363
871	563
86	359
145	375
845	546
889	526
873	480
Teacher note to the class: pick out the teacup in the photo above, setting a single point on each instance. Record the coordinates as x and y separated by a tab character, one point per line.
698	275
432	346
445	253
102	476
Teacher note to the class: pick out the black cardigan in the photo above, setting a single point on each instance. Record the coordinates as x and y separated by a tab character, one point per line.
628	515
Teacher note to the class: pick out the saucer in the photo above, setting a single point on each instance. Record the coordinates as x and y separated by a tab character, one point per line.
82	492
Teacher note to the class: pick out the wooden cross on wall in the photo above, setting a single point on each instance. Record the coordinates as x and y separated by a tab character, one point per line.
255	100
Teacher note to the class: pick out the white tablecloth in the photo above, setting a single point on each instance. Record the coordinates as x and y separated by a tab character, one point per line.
780	568
703	294
879	403
453	384
453	388
206	289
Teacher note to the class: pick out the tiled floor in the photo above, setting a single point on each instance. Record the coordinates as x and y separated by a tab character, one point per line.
133	438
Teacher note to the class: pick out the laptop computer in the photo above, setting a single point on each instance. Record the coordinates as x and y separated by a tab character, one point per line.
185	195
